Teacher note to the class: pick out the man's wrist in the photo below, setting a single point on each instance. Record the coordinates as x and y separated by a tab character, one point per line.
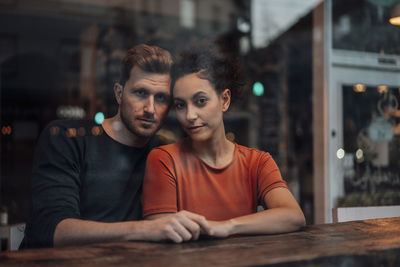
136	230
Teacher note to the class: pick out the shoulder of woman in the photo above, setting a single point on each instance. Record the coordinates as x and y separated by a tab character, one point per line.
252	152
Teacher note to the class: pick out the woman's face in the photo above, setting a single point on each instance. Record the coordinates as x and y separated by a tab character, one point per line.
198	107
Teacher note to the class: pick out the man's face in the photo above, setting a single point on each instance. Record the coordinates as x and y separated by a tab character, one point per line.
144	101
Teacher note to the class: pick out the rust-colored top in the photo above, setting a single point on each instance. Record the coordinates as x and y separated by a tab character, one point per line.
177	179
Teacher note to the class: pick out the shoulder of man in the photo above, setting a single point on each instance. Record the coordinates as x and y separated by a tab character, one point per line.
71	123
72	128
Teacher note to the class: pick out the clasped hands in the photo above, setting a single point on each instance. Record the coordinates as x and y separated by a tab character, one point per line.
184	226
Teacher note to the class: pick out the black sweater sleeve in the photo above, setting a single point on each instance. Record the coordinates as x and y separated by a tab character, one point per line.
55	184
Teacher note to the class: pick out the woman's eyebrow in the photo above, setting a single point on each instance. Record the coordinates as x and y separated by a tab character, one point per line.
199	94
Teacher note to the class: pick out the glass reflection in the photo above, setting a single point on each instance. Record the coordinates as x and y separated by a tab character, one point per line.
371	174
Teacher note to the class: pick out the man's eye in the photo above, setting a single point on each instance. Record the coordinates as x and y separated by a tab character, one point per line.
140	92
161	98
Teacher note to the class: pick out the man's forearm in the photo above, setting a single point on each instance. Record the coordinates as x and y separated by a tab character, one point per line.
77	232
177	227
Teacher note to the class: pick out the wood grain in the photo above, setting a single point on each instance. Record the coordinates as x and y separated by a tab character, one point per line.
359	243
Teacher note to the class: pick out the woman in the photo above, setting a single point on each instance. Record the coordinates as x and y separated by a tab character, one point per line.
207	174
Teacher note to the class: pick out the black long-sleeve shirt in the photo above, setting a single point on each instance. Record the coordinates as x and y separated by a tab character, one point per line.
80	172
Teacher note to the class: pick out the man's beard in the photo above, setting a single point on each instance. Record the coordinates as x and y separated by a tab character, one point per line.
134	129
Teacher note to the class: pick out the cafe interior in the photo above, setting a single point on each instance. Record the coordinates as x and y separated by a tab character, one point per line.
322	96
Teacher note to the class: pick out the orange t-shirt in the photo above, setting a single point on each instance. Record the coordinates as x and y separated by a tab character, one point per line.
177	179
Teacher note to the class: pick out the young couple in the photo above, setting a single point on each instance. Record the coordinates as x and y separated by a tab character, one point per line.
88	188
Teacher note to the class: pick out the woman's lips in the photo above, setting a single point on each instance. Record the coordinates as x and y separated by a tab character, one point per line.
195	129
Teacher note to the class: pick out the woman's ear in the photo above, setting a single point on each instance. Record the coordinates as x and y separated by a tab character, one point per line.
118	92
226	99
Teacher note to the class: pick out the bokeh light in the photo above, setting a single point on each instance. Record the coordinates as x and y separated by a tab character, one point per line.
258	89
71	132
340	153
99	118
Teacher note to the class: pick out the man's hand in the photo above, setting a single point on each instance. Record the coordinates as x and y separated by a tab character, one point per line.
177	227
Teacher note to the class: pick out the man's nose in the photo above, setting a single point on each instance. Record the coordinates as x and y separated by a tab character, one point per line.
149	105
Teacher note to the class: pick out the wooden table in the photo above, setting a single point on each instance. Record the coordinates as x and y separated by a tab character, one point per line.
360	243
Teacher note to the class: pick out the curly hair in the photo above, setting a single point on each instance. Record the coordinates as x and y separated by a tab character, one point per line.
221	71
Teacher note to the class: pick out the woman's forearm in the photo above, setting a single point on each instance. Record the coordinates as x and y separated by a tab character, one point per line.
273	221
283	215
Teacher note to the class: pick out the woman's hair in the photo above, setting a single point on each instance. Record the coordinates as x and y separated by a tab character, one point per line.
220	70
148	58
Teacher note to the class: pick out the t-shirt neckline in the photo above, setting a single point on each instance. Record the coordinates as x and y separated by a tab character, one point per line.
207	165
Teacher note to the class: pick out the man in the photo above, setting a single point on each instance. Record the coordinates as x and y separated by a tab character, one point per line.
87	179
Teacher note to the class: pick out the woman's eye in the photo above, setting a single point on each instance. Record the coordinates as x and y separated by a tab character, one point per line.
201	101
179	105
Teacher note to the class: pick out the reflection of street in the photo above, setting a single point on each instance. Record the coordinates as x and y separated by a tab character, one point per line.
362	26
396	115
372	143
371	180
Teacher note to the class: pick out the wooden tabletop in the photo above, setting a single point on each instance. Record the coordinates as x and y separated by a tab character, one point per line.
360	243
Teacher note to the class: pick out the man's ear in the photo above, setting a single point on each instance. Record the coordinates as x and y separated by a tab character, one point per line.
226	99
118	89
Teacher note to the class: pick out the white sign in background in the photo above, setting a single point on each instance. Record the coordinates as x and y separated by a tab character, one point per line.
271	18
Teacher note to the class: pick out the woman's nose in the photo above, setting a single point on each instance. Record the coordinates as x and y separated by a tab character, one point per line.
191	113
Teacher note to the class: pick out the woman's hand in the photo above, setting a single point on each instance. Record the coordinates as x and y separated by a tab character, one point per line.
221	228
177	227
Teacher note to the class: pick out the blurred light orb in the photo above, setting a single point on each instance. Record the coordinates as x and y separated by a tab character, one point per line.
340	153
383	89
243	25
97	130
359	154
258	89
359	88
55	130
99	118
6	130
70	112
395	21
71	132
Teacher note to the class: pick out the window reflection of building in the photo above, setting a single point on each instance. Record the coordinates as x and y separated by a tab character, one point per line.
370	139
76	47
360	53
354	21
299	119
285	130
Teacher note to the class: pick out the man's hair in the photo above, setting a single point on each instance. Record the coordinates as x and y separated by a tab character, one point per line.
148	58
222	71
